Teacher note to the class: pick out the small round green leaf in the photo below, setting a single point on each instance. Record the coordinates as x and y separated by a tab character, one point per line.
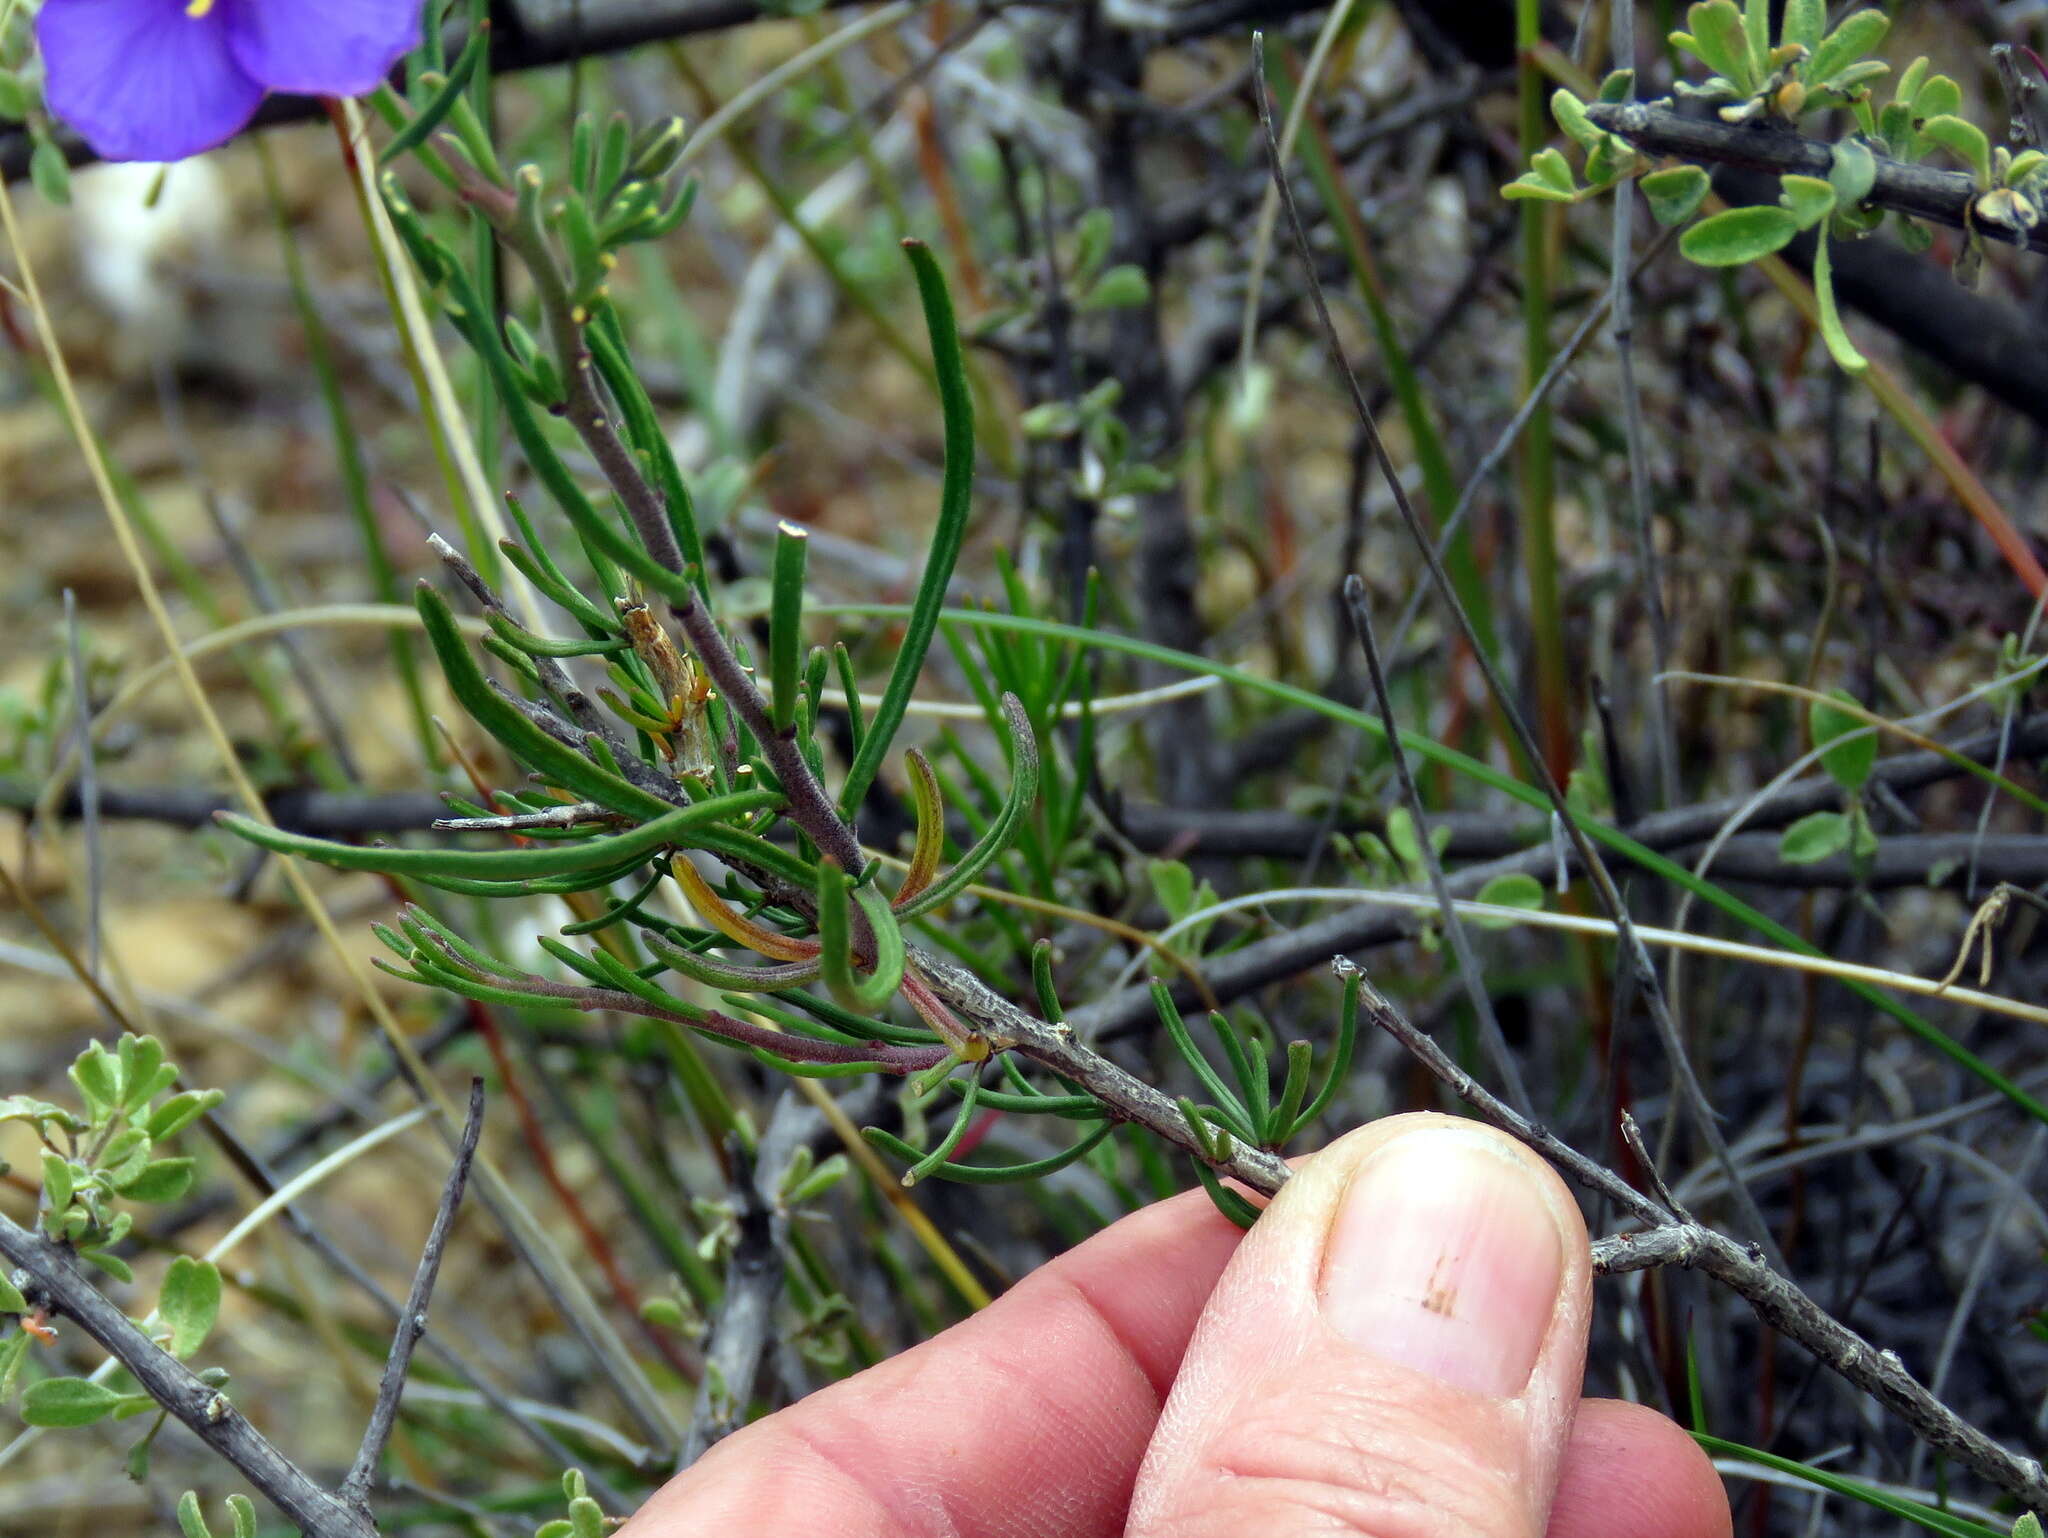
1962	139
1675	193
108	1262
1805	20
161	1180
1531	185
1808	197
68	1402
191	1520
1718	40
1515	890
1848	43
1852	173
1814	837
1848	745
1938	97
1570	113
1554	169
180	1111
50	171
189	1303
1739	235
1123	287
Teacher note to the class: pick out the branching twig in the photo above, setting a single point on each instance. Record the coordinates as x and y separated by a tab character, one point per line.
413	1322
1636	956
753	1279
555	679
1054	1047
786	1045
1503	1059
1776	1301
53	1279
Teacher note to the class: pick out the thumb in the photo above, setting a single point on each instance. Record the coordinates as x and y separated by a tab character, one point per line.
1395	1350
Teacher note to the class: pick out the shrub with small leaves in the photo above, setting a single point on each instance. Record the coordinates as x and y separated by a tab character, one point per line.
93	1161
109	1152
1765	84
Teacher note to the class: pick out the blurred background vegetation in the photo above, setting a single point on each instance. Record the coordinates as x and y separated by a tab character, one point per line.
1155	406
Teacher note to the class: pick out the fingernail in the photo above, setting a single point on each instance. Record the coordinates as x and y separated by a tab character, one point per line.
1446	1257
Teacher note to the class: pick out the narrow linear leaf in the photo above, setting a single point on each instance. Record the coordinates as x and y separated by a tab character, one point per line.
1833	332
1023	793
956	503
558	859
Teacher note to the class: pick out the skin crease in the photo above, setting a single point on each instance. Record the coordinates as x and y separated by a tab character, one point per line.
1040	1417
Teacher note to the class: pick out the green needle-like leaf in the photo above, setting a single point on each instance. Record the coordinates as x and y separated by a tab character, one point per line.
659	833
1832	331
962	1120
990	1174
1023	792
786	625
931	828
956	502
526	742
863	995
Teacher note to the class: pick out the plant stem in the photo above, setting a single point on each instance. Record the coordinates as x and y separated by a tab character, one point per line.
1535	472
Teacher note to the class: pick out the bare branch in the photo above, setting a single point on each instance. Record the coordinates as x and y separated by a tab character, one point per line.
412	1323
1775	1300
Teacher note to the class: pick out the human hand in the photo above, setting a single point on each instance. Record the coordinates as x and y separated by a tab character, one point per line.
1396	1350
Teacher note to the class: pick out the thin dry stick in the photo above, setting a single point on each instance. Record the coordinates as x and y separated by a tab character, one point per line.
1672	1241
1454	928
412	1323
1621	299
1595	869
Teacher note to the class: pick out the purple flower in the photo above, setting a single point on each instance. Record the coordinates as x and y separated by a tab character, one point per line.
163	79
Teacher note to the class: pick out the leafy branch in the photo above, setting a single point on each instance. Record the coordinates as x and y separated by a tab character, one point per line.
1760	91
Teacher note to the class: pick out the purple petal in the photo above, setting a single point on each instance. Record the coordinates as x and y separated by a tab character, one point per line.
140	79
321	47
